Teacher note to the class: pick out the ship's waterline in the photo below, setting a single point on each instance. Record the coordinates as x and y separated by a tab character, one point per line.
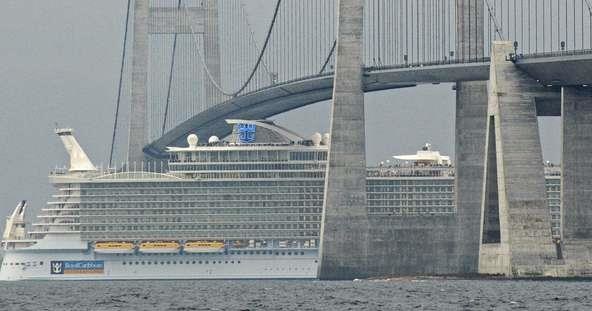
247	207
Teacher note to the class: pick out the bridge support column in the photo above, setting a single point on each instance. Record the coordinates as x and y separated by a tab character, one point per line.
137	128
212	51
471	122
344	232
516	227
576	187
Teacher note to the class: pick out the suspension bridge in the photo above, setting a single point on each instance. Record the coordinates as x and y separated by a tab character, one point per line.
187	65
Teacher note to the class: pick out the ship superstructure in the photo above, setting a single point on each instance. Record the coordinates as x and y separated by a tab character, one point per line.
248	206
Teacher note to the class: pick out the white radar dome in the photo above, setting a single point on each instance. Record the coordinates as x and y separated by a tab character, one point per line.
316	139
192	140
213	140
326	139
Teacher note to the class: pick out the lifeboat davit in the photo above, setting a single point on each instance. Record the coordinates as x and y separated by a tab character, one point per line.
159	247
114	247
203	247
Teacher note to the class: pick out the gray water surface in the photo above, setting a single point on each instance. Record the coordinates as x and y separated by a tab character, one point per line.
399	294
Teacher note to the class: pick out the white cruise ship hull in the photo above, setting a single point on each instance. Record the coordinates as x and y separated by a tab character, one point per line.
47	264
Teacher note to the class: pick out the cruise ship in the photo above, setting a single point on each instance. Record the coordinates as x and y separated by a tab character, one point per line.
245	207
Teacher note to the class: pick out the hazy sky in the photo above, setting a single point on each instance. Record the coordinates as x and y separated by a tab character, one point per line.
59	62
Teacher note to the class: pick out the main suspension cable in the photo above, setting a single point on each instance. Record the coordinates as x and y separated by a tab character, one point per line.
120	83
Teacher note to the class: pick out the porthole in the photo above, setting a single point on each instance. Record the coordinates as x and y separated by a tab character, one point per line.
143	262
124	263
187	262
207	262
200	262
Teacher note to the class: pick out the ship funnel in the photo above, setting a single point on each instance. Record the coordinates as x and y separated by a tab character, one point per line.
15	223
79	161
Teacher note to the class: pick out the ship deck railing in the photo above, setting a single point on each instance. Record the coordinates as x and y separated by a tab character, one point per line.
411	171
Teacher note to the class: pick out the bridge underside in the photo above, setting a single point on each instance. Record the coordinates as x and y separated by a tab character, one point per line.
553	71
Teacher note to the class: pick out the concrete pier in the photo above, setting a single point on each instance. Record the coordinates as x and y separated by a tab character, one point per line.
576	194
344	229
471	124
471	117
514	186
137	128
576	187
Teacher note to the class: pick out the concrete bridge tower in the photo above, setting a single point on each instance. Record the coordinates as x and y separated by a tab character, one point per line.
137	127
344	229
516	237
148	21
576	177
471	117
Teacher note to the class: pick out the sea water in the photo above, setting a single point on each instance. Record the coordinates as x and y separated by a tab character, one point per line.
394	294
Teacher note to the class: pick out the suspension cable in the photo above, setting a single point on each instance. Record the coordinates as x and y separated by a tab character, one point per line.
328	59
120	87
493	17
259	59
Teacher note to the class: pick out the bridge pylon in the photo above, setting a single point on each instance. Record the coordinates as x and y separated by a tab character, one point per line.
470	128
345	227
576	179
160	20
516	227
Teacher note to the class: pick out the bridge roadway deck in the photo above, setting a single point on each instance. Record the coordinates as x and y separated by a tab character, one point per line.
551	69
